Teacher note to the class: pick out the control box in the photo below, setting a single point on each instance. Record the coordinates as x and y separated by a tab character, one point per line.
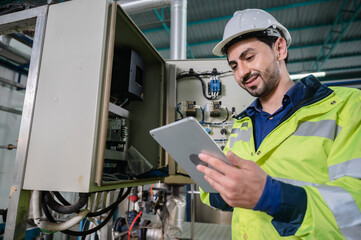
102	90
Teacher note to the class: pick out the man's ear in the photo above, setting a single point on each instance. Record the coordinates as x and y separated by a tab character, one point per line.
280	48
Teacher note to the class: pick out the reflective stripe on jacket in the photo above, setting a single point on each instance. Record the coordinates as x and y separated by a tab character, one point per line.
317	147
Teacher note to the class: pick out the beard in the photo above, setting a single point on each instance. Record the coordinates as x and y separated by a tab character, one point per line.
269	79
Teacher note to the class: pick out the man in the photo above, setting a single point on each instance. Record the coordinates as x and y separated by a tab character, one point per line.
296	149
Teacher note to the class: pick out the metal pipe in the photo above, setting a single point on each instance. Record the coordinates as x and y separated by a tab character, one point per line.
11	83
8	147
132	7
178	34
13	54
193	210
10	110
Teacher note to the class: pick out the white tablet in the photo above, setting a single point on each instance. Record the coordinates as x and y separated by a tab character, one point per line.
184	140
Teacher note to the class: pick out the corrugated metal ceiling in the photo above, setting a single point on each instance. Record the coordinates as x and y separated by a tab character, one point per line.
310	23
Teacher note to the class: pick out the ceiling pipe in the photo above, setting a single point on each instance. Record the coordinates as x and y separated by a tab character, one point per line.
11	83
13	54
132	6
178	29
178	34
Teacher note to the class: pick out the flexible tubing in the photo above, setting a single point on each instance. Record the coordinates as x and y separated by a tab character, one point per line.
35	200
54	205
55	227
90	231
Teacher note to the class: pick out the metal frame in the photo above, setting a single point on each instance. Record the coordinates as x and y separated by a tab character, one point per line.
337	31
19	199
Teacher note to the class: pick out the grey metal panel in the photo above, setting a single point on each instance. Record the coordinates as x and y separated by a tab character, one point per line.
67	98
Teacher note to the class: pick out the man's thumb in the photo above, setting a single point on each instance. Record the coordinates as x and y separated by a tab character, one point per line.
235	160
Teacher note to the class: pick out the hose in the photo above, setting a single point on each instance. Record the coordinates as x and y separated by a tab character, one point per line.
87	232
53	226
54	205
61	198
113	205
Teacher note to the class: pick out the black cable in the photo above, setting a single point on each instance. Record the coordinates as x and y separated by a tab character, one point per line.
4	213
220	123
54	205
200	79
61	199
87	232
104	210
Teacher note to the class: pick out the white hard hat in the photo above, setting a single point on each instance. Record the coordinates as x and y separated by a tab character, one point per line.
248	21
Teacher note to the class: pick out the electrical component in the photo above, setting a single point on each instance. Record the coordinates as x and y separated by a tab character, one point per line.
117	133
216	109
214	87
191	108
208	130
224	131
127	75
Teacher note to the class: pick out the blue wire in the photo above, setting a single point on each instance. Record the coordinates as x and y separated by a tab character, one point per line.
203	109
179	110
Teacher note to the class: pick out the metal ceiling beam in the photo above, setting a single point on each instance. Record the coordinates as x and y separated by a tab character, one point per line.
291	30
19	69
337	31
332	57
283	7
292	47
358	68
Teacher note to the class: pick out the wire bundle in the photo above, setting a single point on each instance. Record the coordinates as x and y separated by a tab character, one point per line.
47	201
192	74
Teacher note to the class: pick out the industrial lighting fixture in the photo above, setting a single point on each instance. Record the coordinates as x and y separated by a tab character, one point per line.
299	76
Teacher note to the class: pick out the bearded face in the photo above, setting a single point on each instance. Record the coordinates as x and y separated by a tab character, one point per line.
255	67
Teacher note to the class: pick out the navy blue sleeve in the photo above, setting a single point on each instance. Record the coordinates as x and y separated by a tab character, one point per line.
286	203
217	201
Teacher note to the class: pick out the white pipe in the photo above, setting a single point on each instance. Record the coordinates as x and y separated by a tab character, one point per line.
178	30
132	6
49	226
35	199
55	227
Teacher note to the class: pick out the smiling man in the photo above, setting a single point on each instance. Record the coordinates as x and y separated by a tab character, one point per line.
295	150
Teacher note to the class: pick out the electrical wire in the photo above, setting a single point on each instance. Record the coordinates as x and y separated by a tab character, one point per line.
61	198
200	79
65	209
211	123
131	226
87	232
178	105
113	205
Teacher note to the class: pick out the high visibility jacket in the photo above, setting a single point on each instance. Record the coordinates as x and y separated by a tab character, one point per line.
318	147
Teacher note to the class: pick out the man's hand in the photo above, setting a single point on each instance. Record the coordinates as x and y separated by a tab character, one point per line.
240	185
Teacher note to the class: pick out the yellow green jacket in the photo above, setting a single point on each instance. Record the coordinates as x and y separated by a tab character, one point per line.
317	147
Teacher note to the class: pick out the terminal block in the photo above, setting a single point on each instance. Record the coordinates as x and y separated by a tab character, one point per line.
216	109
191	108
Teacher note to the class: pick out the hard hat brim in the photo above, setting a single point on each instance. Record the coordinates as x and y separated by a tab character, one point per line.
217	50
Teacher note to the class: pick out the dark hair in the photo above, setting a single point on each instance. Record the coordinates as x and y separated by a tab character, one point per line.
270	40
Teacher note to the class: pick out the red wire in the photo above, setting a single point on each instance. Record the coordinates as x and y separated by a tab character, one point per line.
151	190
131	226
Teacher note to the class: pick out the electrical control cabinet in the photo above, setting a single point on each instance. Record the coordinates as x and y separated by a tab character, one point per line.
102	87
80	135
